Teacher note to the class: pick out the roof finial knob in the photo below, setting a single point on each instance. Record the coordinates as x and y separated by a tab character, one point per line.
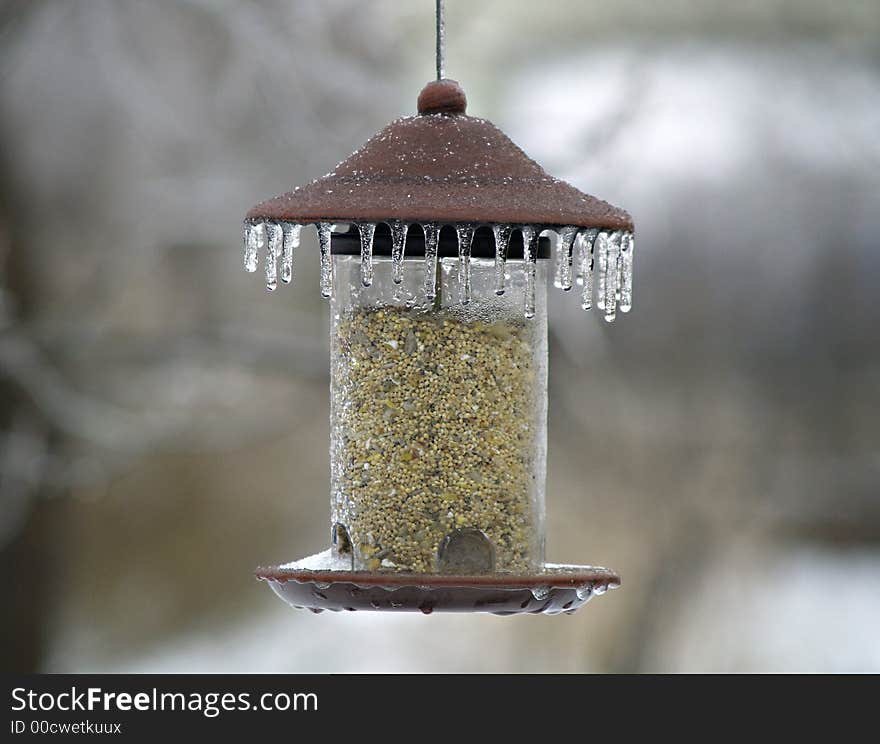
442	97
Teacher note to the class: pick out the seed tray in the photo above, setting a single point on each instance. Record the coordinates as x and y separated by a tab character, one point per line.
555	589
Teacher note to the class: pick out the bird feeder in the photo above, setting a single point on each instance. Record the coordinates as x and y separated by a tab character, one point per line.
435	243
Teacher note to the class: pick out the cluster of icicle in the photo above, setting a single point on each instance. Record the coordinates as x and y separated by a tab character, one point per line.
599	261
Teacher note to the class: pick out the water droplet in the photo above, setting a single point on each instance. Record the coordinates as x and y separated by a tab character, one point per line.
585	591
398	244
367	230
431	236
289	244
465	239
326	262
564	239
273	248
540	592
599	589
530	258
502	241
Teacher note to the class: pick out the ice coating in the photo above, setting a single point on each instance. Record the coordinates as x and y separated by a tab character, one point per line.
398	243
273	249
564	243
465	239
367	230
315	562
324	230
289	243
502	241
599	261
432	233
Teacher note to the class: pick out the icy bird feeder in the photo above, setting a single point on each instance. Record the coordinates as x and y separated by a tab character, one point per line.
434	259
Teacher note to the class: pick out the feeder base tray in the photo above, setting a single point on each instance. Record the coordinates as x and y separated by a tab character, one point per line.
555	589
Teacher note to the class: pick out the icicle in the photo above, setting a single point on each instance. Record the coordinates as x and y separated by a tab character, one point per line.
626	282
564	238
530	259
273	248
618	244
602	250
557	274
324	229
432	233
465	239
254	236
585	266
367	230
398	243
288	245
583	252
502	241
247	232
612	276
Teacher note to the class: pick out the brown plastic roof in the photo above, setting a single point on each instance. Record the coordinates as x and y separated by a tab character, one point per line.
441	167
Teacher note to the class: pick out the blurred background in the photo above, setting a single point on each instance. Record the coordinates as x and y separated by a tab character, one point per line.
163	421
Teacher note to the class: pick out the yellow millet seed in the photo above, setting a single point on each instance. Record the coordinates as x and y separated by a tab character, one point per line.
432	430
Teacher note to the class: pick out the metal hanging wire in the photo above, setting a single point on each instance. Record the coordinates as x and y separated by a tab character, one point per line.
441	41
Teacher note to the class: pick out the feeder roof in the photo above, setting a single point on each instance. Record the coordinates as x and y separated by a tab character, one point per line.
441	166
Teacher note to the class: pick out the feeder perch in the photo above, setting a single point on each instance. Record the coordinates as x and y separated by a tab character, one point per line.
434	248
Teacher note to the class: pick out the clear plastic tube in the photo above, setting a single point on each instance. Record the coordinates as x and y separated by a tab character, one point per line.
438	419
